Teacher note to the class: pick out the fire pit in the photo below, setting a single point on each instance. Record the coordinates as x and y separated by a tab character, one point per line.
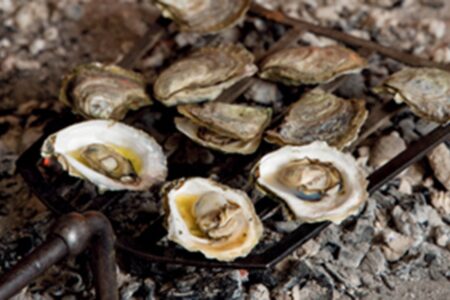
141	239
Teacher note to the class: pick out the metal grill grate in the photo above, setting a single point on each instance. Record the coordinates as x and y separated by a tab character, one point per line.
63	194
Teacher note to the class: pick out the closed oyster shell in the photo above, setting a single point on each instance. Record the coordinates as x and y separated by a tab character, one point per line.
111	155
203	215
320	116
317	182
206	16
310	65
99	91
230	128
203	75
425	90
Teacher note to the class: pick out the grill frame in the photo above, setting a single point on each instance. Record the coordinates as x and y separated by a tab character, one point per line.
144	250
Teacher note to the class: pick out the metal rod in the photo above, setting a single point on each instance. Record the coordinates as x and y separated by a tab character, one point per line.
72	234
145	43
29	268
346	38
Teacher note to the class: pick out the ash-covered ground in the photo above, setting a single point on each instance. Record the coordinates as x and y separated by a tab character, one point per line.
399	248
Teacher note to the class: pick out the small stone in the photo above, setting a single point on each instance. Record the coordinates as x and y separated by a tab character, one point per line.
31	15
312	291
263	92
37	46
441	202
439	159
374	262
308	249
259	292
386	148
441	236
396	244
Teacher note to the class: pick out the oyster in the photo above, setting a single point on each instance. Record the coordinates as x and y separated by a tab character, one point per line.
230	128
310	65
111	155
203	75
101	91
206	16
425	90
319	115
209	217
316	181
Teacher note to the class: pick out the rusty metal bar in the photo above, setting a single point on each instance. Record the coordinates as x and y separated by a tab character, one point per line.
345	38
145	43
72	234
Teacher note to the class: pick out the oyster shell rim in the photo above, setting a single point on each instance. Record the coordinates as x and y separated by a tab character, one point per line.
337	219
255	221
68	79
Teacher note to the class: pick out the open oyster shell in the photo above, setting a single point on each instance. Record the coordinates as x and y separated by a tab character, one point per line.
203	75
316	181
320	116
205	216
99	91
425	90
310	65
230	128
206	16
111	155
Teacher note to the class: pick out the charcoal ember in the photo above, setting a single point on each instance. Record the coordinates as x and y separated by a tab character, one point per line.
297	273
374	262
439	159
264	92
258	292
441	202
396	245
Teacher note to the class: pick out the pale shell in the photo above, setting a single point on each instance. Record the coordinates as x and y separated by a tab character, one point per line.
203	75
137	146
180	199
310	65
205	16
345	202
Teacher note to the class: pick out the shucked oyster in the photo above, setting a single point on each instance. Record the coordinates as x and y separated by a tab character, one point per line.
203	75
425	90
111	155
101	91
206	16
320	116
316	181
310	65
205	216
230	128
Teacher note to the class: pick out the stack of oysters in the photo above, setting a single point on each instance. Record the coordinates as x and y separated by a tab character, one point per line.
310	172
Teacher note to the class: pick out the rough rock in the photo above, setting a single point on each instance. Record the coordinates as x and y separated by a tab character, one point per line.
439	159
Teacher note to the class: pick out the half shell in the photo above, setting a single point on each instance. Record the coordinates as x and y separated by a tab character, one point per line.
316	181
205	216
230	128
320	116
101	91
203	75
205	16
111	155
310	65
425	90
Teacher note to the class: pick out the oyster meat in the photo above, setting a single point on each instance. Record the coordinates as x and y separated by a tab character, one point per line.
425	90
205	16
320	116
98	91
205	216
316	181
111	155
310	65
230	128
203	75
